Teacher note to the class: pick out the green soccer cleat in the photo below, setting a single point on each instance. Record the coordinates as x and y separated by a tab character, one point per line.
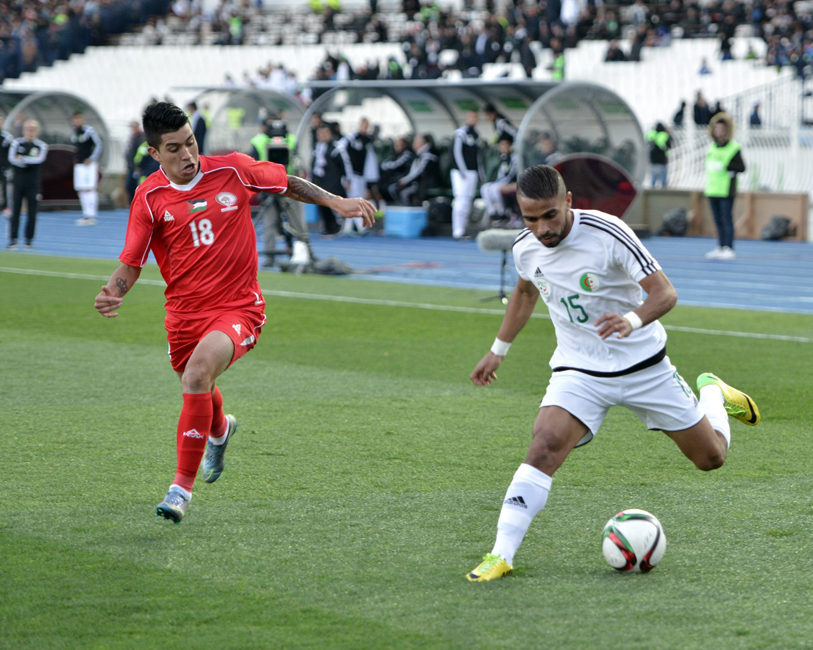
737	404
214	460
492	567
174	505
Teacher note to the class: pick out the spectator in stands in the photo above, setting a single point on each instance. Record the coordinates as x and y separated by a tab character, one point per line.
680	115
723	162
704	67
198	124
26	154
467	172
527	58
327	171
494	193
755	121
502	126
394	168
88	151
134	141
557	68
360	168
423	177
5	173
702	113
660	142
614	53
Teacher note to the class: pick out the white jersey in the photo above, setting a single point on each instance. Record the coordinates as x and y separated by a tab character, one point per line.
594	270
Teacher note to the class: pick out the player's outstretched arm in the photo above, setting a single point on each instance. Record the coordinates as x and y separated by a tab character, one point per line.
660	298
111	295
301	190
517	314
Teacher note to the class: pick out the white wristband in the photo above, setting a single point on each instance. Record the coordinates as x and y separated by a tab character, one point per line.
500	348
634	320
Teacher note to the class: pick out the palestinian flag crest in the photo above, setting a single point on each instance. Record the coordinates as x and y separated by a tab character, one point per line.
196	205
589	282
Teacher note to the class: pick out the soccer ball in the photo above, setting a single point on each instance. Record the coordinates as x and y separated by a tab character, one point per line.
633	541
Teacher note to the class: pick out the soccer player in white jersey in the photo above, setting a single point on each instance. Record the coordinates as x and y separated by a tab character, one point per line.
591	271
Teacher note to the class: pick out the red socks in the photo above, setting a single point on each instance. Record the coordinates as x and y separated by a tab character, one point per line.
193	430
219	423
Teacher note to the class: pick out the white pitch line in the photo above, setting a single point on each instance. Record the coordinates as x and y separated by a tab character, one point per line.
408	305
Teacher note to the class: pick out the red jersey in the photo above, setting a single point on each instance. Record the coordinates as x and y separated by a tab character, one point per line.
202	234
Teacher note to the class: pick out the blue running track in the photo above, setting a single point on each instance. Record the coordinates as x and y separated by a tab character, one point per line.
768	276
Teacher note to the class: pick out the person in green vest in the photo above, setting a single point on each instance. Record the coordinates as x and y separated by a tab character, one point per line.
275	143
143	163
557	68
660	142
723	162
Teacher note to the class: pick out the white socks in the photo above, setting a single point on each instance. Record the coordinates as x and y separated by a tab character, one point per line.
712	403
219	440
186	493
525	498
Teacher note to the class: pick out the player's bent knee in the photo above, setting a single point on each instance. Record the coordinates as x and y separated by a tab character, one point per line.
710	462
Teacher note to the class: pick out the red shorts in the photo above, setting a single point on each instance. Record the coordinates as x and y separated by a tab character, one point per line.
242	327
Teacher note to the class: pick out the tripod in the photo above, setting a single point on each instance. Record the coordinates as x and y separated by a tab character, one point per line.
501	296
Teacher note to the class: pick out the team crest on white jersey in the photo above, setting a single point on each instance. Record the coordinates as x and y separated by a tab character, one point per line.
541	282
228	199
589	282
168	216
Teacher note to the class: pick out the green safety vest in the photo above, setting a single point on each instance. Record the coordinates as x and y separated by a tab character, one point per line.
559	68
660	138
718	181
143	150
234	117
260	143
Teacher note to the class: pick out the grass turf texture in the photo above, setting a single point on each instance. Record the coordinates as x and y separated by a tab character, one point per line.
366	479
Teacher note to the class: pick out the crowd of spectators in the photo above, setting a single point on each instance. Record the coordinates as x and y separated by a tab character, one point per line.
434	37
39	32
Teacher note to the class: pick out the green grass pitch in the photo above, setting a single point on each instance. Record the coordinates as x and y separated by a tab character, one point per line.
366	480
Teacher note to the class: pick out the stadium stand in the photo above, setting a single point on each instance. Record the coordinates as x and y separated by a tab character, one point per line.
115	49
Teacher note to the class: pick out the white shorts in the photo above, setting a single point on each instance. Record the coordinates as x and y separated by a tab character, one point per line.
658	395
85	177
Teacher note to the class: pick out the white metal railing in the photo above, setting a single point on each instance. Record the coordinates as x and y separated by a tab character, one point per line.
778	155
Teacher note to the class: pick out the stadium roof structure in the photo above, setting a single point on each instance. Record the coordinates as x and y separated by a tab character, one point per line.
581	118
53	110
234	115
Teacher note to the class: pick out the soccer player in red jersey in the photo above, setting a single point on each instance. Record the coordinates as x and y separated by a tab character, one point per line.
194	215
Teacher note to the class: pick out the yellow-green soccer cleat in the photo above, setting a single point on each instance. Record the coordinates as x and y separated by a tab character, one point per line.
491	568
737	404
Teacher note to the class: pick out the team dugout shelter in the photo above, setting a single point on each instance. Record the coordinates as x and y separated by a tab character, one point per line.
599	145
54	112
234	116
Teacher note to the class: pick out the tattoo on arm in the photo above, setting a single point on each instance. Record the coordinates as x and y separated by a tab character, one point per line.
301	190
121	285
